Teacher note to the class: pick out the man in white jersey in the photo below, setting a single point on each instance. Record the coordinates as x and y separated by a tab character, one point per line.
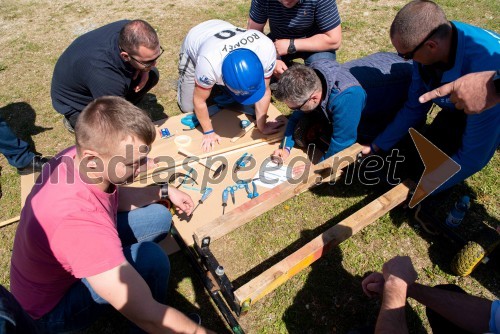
217	52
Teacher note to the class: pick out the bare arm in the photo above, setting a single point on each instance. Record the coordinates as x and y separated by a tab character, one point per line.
261	108
201	110
251	24
128	293
392	318
468	312
131	198
329	40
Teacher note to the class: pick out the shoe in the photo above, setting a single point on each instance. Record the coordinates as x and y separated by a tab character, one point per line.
34	166
68	126
426	221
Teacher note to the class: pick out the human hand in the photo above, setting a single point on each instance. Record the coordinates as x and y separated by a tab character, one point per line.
400	268
271	127
373	285
473	93
144	80
369	149
279	68
280	155
209	141
281	46
182	201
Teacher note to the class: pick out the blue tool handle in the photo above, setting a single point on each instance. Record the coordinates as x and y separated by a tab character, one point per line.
254	186
205	195
225	195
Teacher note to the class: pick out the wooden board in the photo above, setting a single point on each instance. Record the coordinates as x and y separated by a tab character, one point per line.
305	256
226	123
222	225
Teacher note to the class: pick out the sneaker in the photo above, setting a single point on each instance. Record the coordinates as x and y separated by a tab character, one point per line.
34	166
68	126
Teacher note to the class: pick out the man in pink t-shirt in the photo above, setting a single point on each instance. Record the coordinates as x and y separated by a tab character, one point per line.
84	244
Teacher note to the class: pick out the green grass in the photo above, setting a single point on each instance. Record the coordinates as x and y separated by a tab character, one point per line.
325	298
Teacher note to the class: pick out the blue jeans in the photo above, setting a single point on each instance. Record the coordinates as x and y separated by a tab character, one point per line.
16	151
13	319
139	231
309	57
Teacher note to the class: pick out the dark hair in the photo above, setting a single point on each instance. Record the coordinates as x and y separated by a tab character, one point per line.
109	119
138	33
416	20
297	84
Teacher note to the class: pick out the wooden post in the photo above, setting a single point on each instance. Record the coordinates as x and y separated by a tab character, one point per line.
9	221
305	256
268	200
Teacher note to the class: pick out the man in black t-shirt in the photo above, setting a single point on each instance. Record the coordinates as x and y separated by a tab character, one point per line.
117	59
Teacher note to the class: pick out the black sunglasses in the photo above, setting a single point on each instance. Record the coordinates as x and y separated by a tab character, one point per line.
304	103
146	64
411	54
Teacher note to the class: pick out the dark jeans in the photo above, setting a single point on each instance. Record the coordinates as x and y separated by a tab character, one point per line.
139	230
16	151
13	319
131	96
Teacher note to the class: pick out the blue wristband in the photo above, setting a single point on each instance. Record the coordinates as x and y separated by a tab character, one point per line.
288	149
208	132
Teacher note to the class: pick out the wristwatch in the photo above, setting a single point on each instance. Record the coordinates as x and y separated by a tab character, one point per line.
164	191
496	81
291	48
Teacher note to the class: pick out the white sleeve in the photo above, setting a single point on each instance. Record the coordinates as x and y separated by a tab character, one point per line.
269	60
204	74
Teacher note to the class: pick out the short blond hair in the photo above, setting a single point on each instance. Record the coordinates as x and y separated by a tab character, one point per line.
108	120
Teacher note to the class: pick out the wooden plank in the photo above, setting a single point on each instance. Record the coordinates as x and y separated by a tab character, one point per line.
268	200
10	221
305	256
227	125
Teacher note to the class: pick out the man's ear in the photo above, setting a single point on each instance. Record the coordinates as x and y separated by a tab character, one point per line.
91	159
124	55
316	97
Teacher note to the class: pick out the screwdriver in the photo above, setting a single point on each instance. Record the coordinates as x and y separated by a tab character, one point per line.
203	198
231	190
224	200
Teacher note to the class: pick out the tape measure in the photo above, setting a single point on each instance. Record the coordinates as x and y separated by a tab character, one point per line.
244	123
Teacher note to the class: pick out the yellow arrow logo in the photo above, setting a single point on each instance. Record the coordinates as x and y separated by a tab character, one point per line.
438	167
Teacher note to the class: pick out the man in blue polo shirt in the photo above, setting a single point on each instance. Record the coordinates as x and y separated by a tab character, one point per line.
306	29
442	51
117	59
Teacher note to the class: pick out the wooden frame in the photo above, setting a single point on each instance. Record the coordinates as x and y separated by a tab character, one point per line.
279	273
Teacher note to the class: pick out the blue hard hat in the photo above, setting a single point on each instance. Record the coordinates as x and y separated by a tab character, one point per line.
243	75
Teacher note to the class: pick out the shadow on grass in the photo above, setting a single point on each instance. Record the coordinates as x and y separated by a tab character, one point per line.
21	117
474	227
149	103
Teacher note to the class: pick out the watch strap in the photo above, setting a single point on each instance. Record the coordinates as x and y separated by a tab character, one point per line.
291	47
164	191
496	81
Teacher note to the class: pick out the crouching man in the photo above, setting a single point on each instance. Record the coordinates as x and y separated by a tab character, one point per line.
86	245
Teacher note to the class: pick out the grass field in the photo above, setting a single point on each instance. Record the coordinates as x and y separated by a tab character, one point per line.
325	298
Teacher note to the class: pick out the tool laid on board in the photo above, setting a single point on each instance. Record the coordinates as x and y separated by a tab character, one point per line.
231	191
206	194
190	121
225	194
202	162
219	170
255	193
184	179
242	162
245	126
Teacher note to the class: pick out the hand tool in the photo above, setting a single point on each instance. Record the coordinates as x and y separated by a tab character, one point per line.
203	198
244	130
219	170
242	162
231	190
175	176
185	152
224	200
255	193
